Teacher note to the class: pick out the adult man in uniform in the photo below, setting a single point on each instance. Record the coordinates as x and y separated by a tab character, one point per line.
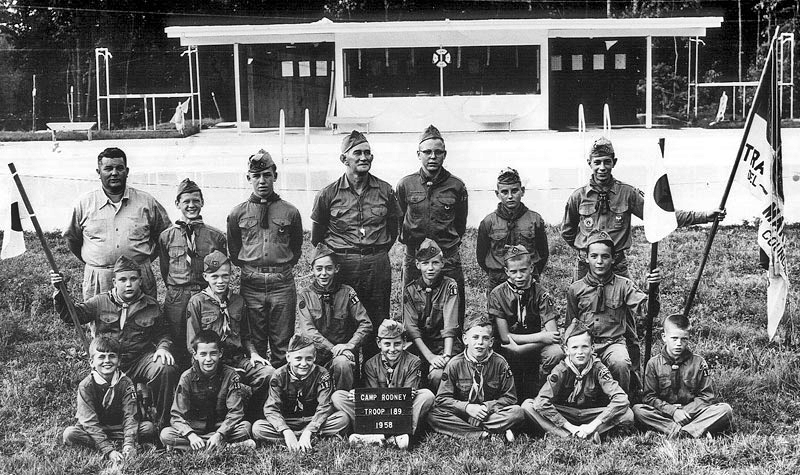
357	217
265	234
434	205
117	220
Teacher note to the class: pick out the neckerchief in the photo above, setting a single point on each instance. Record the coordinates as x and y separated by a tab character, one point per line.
577	388
223	307
389	370
439	177
123	315
675	364
599	285
602	192
511	215
524	297
429	290
298	404
265	202
476	391
189	229
108	396
326	297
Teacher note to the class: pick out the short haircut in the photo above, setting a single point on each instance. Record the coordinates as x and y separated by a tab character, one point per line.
678	320
112	152
207	337
104	343
517	258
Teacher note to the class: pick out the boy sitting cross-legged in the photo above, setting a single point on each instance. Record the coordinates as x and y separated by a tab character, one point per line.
208	411
392	368
580	398
107	411
331	315
299	401
477	396
677	388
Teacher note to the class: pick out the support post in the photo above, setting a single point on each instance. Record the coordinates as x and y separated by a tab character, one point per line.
237	88
648	105
689	82
108	89
191	81
696	78
97	83
199	97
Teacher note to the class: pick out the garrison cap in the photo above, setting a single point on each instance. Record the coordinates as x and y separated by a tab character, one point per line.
508	176
430	133
600	236
390	329
576	328
186	186
427	250
352	139
259	162
510	252
322	251
215	260
479	321
298	342
125	263
602	148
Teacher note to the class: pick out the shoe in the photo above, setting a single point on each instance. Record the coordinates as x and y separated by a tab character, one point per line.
709	436
402	441
366	439
248	444
485	435
509	436
596	439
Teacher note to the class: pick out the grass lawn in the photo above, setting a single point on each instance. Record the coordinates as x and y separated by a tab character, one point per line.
40	373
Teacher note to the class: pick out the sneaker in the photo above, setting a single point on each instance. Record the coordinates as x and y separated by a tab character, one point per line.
596	438
402	441
248	444
367	439
510	436
709	436
485	435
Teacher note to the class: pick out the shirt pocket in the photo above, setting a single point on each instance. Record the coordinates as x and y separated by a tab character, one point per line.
444	208
588	220
108	318
621	217
138	229
207	317
248	226
281	229
416	203
377	215
177	258
664	382
145	320
339	221
95	228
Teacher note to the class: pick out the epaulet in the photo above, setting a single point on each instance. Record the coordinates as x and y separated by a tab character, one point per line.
212	228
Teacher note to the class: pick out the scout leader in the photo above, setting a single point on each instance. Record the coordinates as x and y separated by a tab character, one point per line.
265	234
433	203
331	315
606	204
357	217
133	318
181	250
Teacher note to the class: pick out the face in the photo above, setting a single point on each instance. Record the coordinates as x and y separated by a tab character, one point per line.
478	341
675	339
431	268
207	356
219	280
520	272
113	175
302	361
510	195
105	363
324	271
579	349
391	348
128	284
358	160
263	183
190	204
601	168
431	155
600	259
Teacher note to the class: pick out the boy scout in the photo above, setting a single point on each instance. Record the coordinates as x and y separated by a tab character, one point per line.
181	249
609	304
133	318
265	234
330	314
392	368
607	204
357	217
477	396
434	205
580	398
299	401
678	394
218	309
430	313
526	324
107	406
208	410
510	225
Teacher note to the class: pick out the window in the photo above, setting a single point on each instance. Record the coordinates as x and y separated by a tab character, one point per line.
619	61
577	62
598	62
304	68
287	69
555	63
321	68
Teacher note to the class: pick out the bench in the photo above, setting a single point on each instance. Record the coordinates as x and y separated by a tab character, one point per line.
494	119
71	127
334	121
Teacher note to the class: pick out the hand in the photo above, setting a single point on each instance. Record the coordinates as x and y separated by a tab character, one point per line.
305	441
438	362
551	338
255	358
511	345
55	279
719	214
214	442
478	411
351	395
129	451
291	440
585	431
414	393
572	428
341	348
115	457
165	355
680	417
655	276
196	442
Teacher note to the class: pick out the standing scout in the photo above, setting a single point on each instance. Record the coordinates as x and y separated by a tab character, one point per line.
392	368
107	410
357	217
133	318
117	220
218	309
181	250
510	225
678	394
299	401
330	314
526	324
430	313
434	205
265	234
606	204
477	396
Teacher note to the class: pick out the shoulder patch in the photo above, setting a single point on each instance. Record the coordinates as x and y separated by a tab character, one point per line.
553	379
301	304
274	382
604	374
640	192
453	289
548	298
130	391
235	384
325	382
704	368
353	297
444	376
509	374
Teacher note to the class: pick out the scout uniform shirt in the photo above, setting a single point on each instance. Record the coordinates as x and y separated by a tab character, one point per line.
505	227
466	382
525	311
181	249
331	318
205	404
432	316
101	405
265	232
596	388
303	399
684	380
205	312
405	374
434	207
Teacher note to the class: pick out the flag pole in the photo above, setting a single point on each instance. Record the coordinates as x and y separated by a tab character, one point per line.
652	291
62	287
715	225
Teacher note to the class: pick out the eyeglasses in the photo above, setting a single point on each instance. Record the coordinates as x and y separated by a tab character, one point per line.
435	153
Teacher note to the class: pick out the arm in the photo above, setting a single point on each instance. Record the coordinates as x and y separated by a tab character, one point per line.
180	407
413	375
572	307
462	207
304	324
450	328
618	401
273	408
86	311
543	404
234	238
364	329
161	333
296	238
235	406
508	393
403	205
393	216
87	418
549	334
688	218
320	217
371	375
163	256
74	232
130	426
705	391
569	224
193	326
324	392
650	393
318	232
482	246
159	221
445	397
542	246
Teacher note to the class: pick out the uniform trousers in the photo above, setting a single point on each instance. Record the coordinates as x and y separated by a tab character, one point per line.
77	435
170	437
257	377
525	367
422	404
334	425
713	418
448	423
574	416
175	303
160	379
342	370
271	300
617	359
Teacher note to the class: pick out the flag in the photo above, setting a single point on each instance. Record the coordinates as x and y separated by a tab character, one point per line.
13	240
659	211
760	170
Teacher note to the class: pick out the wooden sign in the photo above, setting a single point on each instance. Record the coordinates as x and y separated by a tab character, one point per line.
383	411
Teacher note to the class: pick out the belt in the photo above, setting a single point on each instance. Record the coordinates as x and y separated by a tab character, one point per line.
362	251
269	269
194	287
